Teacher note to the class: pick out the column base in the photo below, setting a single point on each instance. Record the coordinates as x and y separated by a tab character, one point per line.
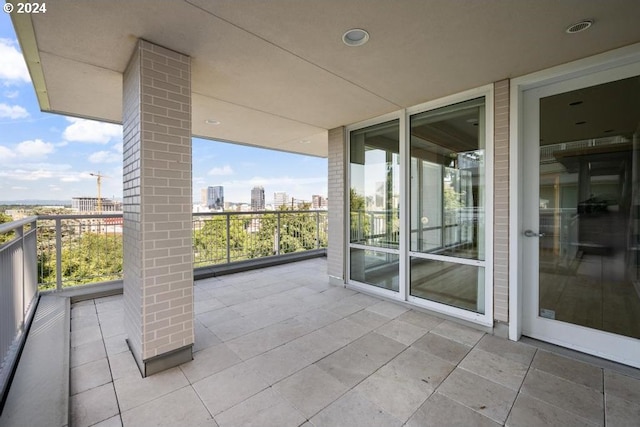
163	361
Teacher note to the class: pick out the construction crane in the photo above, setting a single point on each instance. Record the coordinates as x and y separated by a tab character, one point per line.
99	177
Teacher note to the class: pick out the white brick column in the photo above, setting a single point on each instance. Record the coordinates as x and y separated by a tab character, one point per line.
158	265
337	174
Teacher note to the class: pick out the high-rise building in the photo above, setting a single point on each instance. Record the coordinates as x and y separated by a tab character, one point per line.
280	198
213	197
257	198
318	202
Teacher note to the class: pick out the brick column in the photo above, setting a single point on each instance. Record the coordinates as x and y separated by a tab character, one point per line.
501	202
158	265
337	174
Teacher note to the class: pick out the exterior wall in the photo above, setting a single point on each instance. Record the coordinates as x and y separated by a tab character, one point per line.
501	202
158	269
337	215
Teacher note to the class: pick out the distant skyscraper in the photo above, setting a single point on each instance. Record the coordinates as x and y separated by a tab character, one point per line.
213	197
257	199
280	198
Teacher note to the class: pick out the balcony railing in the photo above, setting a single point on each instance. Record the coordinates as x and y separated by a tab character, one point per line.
80	249
18	290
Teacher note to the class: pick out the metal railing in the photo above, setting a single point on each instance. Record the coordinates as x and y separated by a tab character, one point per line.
18	290
80	249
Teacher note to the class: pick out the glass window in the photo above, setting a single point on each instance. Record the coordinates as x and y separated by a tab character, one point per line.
375	268
374	194
447	181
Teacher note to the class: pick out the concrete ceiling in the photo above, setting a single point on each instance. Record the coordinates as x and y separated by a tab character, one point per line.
276	73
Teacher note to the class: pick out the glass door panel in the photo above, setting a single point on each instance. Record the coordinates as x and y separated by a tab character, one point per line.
447	237
374	205
589	207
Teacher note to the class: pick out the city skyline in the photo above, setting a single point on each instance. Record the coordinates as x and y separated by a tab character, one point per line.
51	157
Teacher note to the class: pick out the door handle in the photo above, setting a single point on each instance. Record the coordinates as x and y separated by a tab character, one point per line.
531	233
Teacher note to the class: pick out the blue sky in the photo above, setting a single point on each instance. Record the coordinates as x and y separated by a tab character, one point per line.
49	156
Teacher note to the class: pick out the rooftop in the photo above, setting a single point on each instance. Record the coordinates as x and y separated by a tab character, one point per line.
281	347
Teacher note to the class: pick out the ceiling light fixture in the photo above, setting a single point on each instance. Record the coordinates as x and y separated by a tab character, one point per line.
355	37
579	26
212	122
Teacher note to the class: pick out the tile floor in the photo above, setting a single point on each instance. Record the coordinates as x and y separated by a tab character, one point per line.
280	347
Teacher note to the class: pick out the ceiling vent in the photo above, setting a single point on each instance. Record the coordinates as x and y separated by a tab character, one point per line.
578	27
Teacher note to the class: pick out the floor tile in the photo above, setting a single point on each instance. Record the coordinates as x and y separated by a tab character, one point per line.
122	365
443	348
355	362
621	412
440	411
116	344
230	329
85	353
621	386
316	345
85	335
310	390
133	390
178	408
89	375
403	332
277	364
512	350
227	388
531	412
575	398
368	319
208	362
459	333
387	309
420	319
93	406
345	331
354	410
483	396
214	317
495	368
204	338
111	422
569	369
265	409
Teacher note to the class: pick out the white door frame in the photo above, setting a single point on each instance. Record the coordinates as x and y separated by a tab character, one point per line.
607	62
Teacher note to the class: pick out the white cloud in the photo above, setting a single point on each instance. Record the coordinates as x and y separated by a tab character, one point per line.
13	69
105	157
12	94
13	111
19	188
6	154
225	170
92	132
34	149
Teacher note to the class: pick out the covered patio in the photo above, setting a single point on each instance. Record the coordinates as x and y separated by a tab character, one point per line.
280	347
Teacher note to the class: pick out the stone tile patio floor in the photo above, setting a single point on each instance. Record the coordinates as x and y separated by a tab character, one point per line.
280	347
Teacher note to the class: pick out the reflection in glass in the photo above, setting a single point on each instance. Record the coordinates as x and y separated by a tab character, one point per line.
374	195
590	207
375	268
447	181
454	284
447	202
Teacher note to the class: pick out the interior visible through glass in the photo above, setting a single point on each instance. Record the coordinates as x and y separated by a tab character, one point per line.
447	195
590	207
374	203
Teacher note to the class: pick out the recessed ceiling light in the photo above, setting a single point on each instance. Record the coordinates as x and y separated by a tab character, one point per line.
305	141
355	37
212	122
581	123
579	26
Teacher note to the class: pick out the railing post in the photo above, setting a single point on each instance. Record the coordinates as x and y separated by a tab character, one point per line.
20	235
58	254
278	233
228	238
317	230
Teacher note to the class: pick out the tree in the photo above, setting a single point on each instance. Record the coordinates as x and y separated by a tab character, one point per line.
5	237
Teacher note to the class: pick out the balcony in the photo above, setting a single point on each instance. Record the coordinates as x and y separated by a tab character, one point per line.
279	346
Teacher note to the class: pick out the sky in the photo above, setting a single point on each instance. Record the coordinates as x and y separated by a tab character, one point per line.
51	157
